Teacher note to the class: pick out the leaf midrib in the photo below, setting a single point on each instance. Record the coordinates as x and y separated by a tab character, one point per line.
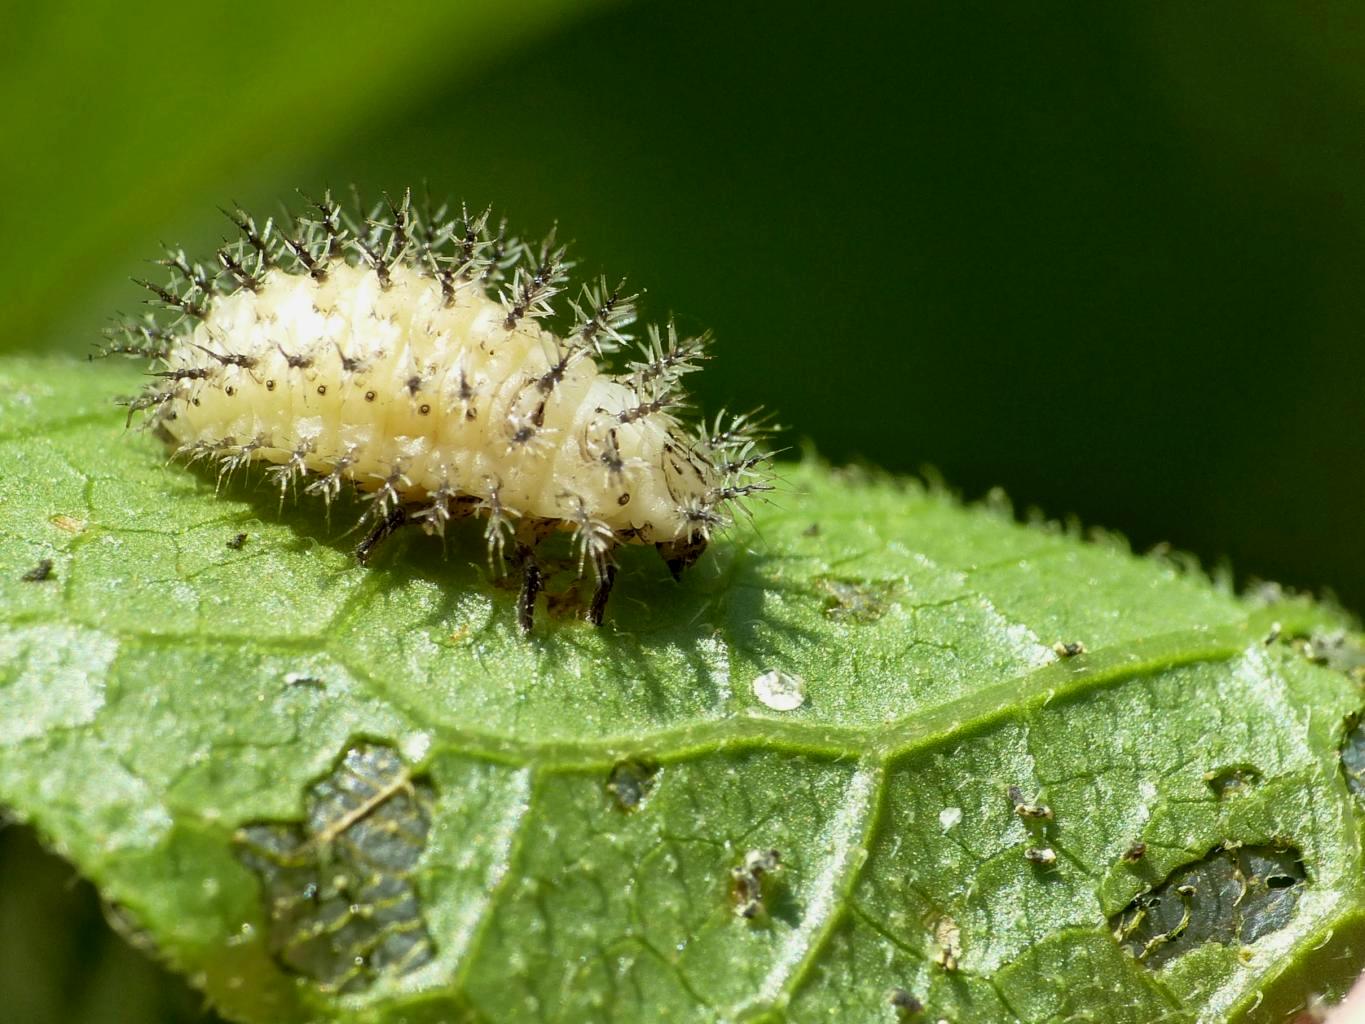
885	744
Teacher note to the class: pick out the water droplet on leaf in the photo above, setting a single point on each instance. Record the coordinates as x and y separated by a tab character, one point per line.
779	690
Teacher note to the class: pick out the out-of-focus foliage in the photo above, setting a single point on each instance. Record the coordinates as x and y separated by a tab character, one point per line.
118	118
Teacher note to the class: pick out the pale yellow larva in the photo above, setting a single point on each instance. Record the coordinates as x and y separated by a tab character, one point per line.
408	355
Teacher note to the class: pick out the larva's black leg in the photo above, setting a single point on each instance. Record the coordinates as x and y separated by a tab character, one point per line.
393	519
531	581
599	596
681	555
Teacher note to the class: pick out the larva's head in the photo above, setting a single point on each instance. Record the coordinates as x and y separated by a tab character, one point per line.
415	355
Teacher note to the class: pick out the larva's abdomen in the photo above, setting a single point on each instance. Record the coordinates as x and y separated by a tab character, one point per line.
382	353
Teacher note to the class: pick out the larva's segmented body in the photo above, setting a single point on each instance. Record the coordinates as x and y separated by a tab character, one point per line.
408	356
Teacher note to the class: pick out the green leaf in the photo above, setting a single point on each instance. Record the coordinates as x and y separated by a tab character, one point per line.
329	793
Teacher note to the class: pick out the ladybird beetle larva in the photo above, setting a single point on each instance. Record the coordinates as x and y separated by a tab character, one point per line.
407	353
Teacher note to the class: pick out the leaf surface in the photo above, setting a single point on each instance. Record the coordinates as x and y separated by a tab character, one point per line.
331	793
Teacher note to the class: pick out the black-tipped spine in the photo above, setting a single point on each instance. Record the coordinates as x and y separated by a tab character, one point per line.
666	363
315	267
534	286
259	239
189	304
602	316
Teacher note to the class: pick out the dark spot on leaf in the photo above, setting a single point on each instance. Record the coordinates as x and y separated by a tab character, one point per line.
905	1004
1135	852
237	542
856	600
813	530
40	572
338	886
1231	896
1234	779
1068	648
1028	810
631	782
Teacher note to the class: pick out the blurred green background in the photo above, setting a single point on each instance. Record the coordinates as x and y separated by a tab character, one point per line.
1110	258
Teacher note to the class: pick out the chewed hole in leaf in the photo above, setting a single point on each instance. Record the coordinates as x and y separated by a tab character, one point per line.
752	882
338	886
1232	780
1353	756
631	782
1231	896
1335	649
947	944
856	600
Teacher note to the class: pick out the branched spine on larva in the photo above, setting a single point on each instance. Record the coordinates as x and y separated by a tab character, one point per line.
405	352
